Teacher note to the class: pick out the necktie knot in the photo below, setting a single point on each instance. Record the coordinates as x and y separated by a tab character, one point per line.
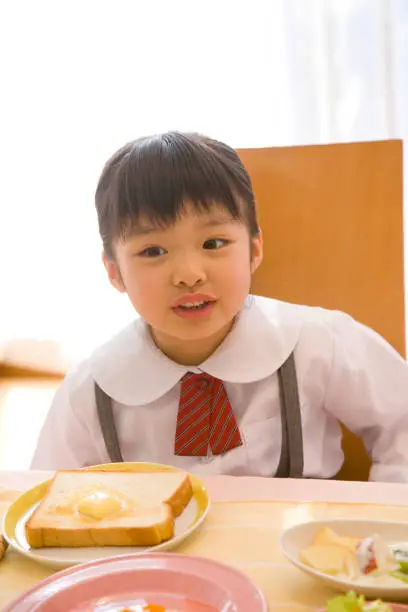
202	379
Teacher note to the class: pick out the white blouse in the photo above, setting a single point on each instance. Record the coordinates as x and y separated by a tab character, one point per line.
345	372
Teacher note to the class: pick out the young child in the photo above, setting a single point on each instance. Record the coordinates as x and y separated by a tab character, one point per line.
210	378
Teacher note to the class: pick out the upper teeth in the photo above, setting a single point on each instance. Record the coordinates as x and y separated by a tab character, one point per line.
193	304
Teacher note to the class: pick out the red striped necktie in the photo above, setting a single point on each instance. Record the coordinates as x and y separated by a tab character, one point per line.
205	417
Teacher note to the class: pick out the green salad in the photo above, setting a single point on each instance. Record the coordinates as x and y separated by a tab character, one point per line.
401	557
351	602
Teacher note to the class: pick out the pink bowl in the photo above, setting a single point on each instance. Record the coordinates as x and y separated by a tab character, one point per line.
178	581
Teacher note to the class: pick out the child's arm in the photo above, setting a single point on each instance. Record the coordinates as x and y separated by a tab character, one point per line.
368	392
65	441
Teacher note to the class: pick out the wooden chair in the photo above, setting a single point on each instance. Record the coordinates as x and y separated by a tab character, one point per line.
331	217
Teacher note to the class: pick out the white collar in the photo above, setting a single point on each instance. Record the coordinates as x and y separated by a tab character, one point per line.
133	371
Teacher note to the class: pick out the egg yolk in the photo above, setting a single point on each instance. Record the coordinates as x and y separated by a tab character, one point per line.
99	505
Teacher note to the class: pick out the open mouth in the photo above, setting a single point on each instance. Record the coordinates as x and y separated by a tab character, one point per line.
195	305
195	310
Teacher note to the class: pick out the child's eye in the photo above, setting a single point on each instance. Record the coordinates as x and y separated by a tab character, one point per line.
215	243
151	252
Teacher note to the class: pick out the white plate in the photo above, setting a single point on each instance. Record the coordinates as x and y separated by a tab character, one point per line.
59	558
296	538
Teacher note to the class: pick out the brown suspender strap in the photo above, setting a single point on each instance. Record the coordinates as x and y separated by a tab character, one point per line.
107	423
291	460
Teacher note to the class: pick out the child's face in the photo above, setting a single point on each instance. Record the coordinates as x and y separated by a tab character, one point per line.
205	259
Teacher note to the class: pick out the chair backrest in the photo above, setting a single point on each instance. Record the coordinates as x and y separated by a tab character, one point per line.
331	217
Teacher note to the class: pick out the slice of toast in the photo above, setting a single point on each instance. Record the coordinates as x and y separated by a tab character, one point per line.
101	508
3	546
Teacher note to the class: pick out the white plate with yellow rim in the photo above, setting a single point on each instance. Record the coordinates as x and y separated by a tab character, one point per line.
58	558
295	539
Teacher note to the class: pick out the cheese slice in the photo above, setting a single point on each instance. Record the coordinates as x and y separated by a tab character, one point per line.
327	537
328	559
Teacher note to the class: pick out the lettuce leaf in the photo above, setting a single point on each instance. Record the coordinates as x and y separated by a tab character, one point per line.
400	575
351	602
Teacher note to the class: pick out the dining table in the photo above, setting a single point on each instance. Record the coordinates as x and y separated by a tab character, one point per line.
243	528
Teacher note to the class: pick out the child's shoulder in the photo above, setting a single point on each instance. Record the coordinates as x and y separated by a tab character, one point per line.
319	326
110	361
312	330
283	313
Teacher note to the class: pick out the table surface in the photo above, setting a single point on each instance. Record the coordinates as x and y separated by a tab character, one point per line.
242	529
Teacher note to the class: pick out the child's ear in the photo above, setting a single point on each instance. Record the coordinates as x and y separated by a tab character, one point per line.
256	252
114	275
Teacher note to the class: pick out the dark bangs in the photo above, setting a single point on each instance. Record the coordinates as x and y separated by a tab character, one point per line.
151	179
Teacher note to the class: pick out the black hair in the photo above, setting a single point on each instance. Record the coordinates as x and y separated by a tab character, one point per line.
153	177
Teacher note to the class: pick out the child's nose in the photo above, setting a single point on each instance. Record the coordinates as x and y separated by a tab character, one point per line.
189	272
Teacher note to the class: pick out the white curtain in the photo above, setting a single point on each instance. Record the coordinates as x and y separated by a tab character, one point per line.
80	78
